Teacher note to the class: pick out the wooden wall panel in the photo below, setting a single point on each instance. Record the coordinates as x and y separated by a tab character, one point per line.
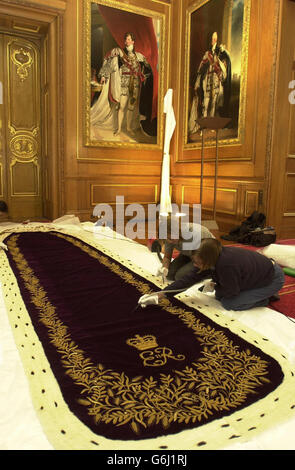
254	175
236	199
251	202
3	190
281	180
40	20
108	193
289	206
25	179
226	198
1	181
22	142
82	193
292	111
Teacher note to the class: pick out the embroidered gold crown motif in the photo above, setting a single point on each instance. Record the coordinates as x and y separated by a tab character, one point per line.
143	342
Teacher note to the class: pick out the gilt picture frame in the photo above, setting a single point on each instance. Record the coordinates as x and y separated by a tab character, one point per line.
123	75
217	39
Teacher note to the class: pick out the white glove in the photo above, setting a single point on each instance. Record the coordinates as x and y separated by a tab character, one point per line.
209	286
148	299
162	271
2	245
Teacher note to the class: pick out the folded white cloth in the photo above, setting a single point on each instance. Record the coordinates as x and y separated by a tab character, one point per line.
284	255
148	299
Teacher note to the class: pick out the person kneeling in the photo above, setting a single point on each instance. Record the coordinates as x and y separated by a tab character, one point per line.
242	279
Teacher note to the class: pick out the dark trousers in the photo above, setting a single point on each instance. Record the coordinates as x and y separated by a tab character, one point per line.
256	297
179	267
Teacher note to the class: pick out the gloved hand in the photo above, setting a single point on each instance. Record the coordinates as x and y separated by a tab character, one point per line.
162	271
209	286
148	299
2	245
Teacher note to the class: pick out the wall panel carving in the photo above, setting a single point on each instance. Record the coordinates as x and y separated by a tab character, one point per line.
107	193
21	144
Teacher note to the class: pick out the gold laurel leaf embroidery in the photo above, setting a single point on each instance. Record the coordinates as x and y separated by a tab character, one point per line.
221	379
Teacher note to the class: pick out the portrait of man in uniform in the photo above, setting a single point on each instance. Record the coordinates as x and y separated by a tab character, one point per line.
215	65
124	76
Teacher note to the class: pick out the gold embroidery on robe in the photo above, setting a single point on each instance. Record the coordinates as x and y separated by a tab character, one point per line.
220	379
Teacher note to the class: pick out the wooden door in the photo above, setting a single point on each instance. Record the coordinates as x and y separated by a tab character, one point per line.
20	126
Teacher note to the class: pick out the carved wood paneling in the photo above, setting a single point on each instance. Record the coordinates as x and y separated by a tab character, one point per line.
251	202
1	181
289	207
140	193
281	197
261	163
22	148
226	198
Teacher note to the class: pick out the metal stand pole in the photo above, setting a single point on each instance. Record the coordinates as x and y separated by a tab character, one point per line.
202	170
213	123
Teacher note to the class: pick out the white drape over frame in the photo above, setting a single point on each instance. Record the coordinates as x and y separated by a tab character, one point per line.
165	200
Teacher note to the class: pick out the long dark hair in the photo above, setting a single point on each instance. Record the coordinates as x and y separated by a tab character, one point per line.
208	252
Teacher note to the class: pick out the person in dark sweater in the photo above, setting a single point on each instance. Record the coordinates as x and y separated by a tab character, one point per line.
242	279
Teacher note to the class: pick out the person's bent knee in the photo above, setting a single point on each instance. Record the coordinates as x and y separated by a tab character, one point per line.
227	304
233	304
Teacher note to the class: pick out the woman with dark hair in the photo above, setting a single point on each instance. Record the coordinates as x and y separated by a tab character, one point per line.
242	279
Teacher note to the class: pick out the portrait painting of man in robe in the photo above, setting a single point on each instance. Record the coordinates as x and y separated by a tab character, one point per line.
124	76
215	71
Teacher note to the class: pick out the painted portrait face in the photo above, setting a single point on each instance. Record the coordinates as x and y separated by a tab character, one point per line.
129	41
214	38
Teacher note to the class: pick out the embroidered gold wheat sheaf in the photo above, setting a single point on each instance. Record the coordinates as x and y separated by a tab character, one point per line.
221	378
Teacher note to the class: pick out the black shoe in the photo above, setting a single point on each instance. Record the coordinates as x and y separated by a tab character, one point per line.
274	298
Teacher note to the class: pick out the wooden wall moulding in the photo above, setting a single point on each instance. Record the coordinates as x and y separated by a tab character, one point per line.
1	181
289	203
235	199
21	125
56	5
38	20
127	193
124	78
217	33
226	197
281	182
84	194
